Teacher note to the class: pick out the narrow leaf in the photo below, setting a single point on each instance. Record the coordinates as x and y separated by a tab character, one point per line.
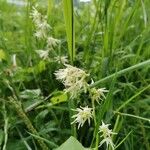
69	22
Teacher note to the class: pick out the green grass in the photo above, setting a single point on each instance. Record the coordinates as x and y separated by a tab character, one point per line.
109	40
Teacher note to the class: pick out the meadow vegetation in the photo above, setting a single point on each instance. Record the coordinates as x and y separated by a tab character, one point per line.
75	73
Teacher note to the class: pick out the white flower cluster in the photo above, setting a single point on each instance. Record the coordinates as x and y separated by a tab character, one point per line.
43	54
61	59
42	27
52	42
106	135
73	78
97	94
84	113
42	30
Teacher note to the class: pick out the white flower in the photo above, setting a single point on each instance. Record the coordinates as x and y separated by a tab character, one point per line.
76	88
84	114
52	42
42	54
97	94
108	141
106	135
73	78
40	34
14	63
41	25
70	75
35	15
106	132
61	59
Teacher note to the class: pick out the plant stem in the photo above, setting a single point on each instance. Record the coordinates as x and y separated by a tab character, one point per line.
5	127
26	120
95	135
134	96
121	72
71	106
134	116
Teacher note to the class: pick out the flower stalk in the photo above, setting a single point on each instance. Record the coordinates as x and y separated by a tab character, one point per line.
26	120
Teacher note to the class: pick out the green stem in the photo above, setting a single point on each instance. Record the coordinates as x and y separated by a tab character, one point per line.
5	128
133	97
49	8
95	135
26	120
134	116
121	72
71	106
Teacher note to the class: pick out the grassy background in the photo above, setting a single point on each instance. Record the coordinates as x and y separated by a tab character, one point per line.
109	36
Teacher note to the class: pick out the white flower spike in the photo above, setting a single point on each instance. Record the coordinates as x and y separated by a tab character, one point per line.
61	59
52	42
106	135
73	78
43	54
97	94
84	114
41	25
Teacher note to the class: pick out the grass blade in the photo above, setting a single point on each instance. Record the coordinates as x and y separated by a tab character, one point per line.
52	144
123	139
69	22
121	72
133	97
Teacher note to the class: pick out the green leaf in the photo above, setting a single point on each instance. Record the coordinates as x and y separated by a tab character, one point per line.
59	97
1	137
30	94
50	143
2	55
71	144
69	22
40	67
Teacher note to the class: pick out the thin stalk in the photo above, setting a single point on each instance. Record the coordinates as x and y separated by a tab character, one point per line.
26	120
43	139
95	122
49	8
71	105
133	97
133	116
5	128
116	126
121	72
143	131
23	140
144	13
123	139
115	129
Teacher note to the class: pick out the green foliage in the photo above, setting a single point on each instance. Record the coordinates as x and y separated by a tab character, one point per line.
109	40
70	30
71	144
59	97
2	55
